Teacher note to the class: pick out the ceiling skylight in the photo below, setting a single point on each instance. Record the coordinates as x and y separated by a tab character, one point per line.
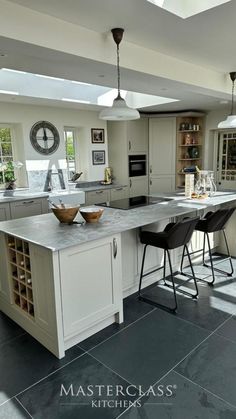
187	8
14	82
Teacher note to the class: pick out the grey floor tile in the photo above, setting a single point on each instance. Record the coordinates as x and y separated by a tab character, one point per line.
24	361
146	350
213	366
13	410
8	329
228	329
181	400
44	400
133	310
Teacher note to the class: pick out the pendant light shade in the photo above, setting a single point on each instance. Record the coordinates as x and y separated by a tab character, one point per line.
119	111
230	121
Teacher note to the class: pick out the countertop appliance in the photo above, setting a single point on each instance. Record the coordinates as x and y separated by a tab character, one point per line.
135	202
137	165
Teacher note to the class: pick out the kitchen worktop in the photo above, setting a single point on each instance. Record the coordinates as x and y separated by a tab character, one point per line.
12	196
45	230
97	186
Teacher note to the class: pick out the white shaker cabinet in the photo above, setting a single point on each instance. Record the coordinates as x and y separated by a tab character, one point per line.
137	136
119	193
28	207
125	139
162	152
5	212
138	186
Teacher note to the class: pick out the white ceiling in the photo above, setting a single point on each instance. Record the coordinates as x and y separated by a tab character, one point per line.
206	39
197	39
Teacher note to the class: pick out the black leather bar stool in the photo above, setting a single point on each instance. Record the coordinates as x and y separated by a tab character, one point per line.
174	235
211	223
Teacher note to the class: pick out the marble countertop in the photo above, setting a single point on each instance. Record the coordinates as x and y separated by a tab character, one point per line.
99	187
27	194
46	231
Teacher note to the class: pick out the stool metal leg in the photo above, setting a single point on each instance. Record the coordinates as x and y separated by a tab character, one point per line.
228	258
148	300
142	267
193	274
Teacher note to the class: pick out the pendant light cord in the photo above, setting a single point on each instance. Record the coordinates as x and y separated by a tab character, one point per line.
232	99
118	69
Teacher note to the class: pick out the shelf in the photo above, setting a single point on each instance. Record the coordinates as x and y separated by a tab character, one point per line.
190	145
189	130
190	159
187	173
20	270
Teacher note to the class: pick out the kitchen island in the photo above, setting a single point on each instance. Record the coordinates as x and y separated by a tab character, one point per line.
63	283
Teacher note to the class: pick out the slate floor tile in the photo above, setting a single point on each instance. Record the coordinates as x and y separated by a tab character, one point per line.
13	410
24	361
228	329
146	350
44	400
133	310
213	366
186	401
8	329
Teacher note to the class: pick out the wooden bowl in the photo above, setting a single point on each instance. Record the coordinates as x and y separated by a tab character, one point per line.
91	215
65	215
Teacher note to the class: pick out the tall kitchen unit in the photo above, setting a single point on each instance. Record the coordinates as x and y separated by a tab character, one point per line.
128	154
162	154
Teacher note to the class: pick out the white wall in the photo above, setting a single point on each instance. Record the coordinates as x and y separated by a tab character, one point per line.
212	120
24	116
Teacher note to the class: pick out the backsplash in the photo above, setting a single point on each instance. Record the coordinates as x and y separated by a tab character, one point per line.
38	180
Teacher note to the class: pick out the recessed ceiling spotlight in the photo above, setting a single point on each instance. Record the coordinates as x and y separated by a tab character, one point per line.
101	75
2	54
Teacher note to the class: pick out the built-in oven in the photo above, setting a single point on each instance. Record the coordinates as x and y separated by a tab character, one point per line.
137	165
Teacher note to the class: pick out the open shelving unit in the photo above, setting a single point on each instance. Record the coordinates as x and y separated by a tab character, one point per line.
20	272
189	146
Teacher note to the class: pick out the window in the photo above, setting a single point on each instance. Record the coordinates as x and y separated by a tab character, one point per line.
69	135
6	156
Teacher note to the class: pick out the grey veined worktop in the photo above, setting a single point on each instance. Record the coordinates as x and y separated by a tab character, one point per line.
46	231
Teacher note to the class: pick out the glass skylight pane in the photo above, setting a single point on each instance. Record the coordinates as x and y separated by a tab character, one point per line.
187	8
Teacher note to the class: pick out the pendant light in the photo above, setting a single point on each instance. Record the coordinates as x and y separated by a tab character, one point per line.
119	111
230	122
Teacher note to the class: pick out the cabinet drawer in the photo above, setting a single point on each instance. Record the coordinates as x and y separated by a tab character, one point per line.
119	193
27	208
97	197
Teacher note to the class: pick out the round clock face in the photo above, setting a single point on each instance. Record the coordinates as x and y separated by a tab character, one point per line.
44	137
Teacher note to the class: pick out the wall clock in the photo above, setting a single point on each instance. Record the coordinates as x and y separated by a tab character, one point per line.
44	137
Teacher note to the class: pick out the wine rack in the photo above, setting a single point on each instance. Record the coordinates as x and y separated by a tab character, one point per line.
20	271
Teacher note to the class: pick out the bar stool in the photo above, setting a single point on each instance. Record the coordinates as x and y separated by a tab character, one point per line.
211	223
174	235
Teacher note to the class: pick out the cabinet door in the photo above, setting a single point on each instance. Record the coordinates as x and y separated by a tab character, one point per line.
162	146
119	193
97	197
137	135
90	283
4	212
27	208
138	186
162	184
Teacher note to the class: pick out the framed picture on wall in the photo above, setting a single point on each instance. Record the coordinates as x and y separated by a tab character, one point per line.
97	135
98	156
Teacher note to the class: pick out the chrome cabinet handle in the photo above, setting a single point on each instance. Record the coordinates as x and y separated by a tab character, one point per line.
27	202
130	183
150	169
129	145
99	191
119	189
114	248
150	181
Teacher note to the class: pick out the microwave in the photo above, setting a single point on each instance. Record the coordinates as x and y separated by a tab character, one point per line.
137	165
